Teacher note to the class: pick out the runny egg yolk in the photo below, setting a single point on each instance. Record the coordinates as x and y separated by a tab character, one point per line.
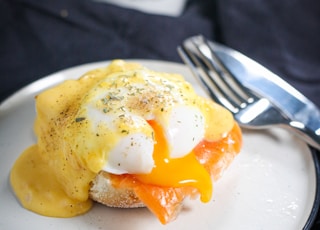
176	172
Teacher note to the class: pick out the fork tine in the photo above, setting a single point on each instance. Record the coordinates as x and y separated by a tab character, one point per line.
223	71
199	69
225	87
235	89
193	63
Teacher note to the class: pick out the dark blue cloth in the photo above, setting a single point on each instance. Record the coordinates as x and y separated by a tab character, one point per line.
41	37
282	35
38	38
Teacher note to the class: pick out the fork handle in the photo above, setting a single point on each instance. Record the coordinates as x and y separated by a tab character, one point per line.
308	135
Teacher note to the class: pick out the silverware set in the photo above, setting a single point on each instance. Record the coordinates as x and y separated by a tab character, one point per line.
250	108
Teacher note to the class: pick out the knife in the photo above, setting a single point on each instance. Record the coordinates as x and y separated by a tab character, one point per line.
267	84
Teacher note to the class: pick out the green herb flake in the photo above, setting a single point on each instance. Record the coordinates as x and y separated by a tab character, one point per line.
104	101
106	110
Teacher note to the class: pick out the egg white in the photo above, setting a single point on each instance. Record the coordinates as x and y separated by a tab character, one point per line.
120	107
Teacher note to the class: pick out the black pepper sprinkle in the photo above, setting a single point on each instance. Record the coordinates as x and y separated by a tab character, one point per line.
78	119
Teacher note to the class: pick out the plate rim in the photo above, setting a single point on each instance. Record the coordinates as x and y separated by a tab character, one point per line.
316	203
13	98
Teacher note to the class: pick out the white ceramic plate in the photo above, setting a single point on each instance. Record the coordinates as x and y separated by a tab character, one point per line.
270	185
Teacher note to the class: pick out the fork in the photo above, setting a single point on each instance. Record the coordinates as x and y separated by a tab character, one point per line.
248	108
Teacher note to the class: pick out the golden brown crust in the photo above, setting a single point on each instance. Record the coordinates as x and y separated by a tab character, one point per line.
103	192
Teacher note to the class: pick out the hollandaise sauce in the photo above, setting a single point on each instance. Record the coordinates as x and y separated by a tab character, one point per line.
38	189
125	120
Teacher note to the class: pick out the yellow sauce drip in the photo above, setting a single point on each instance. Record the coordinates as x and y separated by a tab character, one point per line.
38	189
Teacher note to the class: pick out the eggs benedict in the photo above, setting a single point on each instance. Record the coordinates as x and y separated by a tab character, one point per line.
124	136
